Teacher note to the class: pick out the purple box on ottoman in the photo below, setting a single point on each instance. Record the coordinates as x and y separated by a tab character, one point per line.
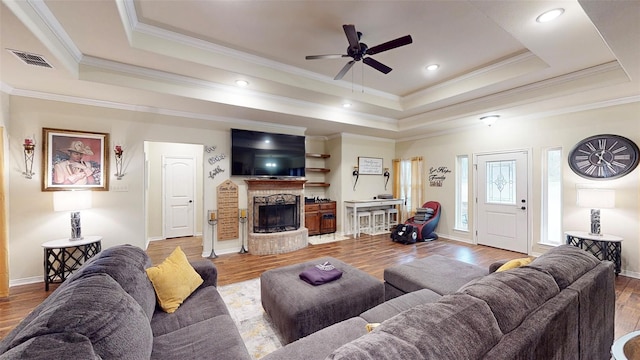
298	308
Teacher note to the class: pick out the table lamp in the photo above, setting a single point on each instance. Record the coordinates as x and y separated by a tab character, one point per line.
72	201
596	199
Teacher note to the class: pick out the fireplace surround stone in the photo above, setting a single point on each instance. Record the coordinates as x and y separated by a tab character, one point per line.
275	242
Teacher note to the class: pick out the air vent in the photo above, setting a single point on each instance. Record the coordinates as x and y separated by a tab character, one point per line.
31	59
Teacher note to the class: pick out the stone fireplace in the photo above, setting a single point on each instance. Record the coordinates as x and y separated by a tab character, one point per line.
275	216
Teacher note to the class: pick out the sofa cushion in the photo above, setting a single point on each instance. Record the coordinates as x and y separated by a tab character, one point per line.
320	344
397	305
441	274
512	295
565	263
173	280
215	338
96	307
125	264
205	303
52	346
456	327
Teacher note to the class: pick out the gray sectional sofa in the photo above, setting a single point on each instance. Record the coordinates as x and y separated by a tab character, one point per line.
561	306
107	310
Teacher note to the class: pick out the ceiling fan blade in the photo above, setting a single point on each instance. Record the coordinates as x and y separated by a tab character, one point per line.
328	56
344	70
352	36
377	65
401	41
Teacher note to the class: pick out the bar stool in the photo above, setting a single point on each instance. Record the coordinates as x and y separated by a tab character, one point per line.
379	221
392	218
363	222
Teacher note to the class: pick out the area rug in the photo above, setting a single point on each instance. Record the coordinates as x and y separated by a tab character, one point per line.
243	302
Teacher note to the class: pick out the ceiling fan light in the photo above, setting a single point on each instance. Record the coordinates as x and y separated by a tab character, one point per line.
433	67
242	83
346	105
550	15
489	119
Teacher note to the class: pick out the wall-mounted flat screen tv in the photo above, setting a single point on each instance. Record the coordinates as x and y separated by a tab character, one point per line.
262	154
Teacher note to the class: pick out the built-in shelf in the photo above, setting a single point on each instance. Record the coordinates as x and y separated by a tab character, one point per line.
317	184
318	170
312	155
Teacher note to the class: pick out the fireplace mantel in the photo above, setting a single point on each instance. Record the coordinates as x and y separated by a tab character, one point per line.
275	184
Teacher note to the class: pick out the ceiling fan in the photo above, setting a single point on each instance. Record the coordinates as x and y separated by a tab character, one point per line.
360	51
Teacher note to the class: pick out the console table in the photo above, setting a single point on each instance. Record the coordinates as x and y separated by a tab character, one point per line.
604	247
354	205
63	256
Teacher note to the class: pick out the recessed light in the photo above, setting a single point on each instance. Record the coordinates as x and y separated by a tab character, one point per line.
346	105
242	83
490	119
433	67
550	15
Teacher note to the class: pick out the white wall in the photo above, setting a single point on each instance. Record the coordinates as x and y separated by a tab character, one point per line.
117	216
155	152
536	135
368	186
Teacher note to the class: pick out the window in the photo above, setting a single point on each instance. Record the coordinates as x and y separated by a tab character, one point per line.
462	192
551	232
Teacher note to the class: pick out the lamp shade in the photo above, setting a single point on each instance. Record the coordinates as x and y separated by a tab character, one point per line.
71	200
596	198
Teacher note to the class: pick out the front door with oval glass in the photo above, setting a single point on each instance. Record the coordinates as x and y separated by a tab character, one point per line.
502	201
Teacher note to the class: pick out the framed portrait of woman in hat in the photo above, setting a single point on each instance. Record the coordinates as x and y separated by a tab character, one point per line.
74	160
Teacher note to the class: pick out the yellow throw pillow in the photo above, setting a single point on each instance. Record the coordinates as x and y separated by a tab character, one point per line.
371	326
174	280
515	263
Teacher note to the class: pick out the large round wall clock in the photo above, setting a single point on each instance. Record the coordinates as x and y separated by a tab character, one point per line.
603	157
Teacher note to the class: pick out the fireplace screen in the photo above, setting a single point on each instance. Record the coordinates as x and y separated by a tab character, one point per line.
276	213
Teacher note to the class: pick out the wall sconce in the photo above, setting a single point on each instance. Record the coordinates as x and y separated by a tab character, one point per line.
386	175
29	149
119	152
356	174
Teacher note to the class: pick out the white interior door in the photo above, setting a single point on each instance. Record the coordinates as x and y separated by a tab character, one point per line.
179	175
502	201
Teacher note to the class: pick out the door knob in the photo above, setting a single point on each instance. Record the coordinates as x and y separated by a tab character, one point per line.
523	208
190	201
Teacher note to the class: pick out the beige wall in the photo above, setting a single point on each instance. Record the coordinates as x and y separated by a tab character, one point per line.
155	152
535	135
368	186
120	216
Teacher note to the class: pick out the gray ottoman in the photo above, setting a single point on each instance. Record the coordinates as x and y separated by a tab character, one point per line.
440	274
298	309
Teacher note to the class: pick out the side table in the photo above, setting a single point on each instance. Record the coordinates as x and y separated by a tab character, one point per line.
63	256
604	247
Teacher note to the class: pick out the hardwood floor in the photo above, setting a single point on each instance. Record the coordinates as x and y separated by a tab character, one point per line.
369	253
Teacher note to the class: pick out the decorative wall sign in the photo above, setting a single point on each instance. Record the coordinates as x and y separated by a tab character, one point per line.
214	159
227	194
438	175
74	160
216	171
369	166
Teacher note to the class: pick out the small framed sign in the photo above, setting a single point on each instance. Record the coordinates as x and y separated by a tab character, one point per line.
369	166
